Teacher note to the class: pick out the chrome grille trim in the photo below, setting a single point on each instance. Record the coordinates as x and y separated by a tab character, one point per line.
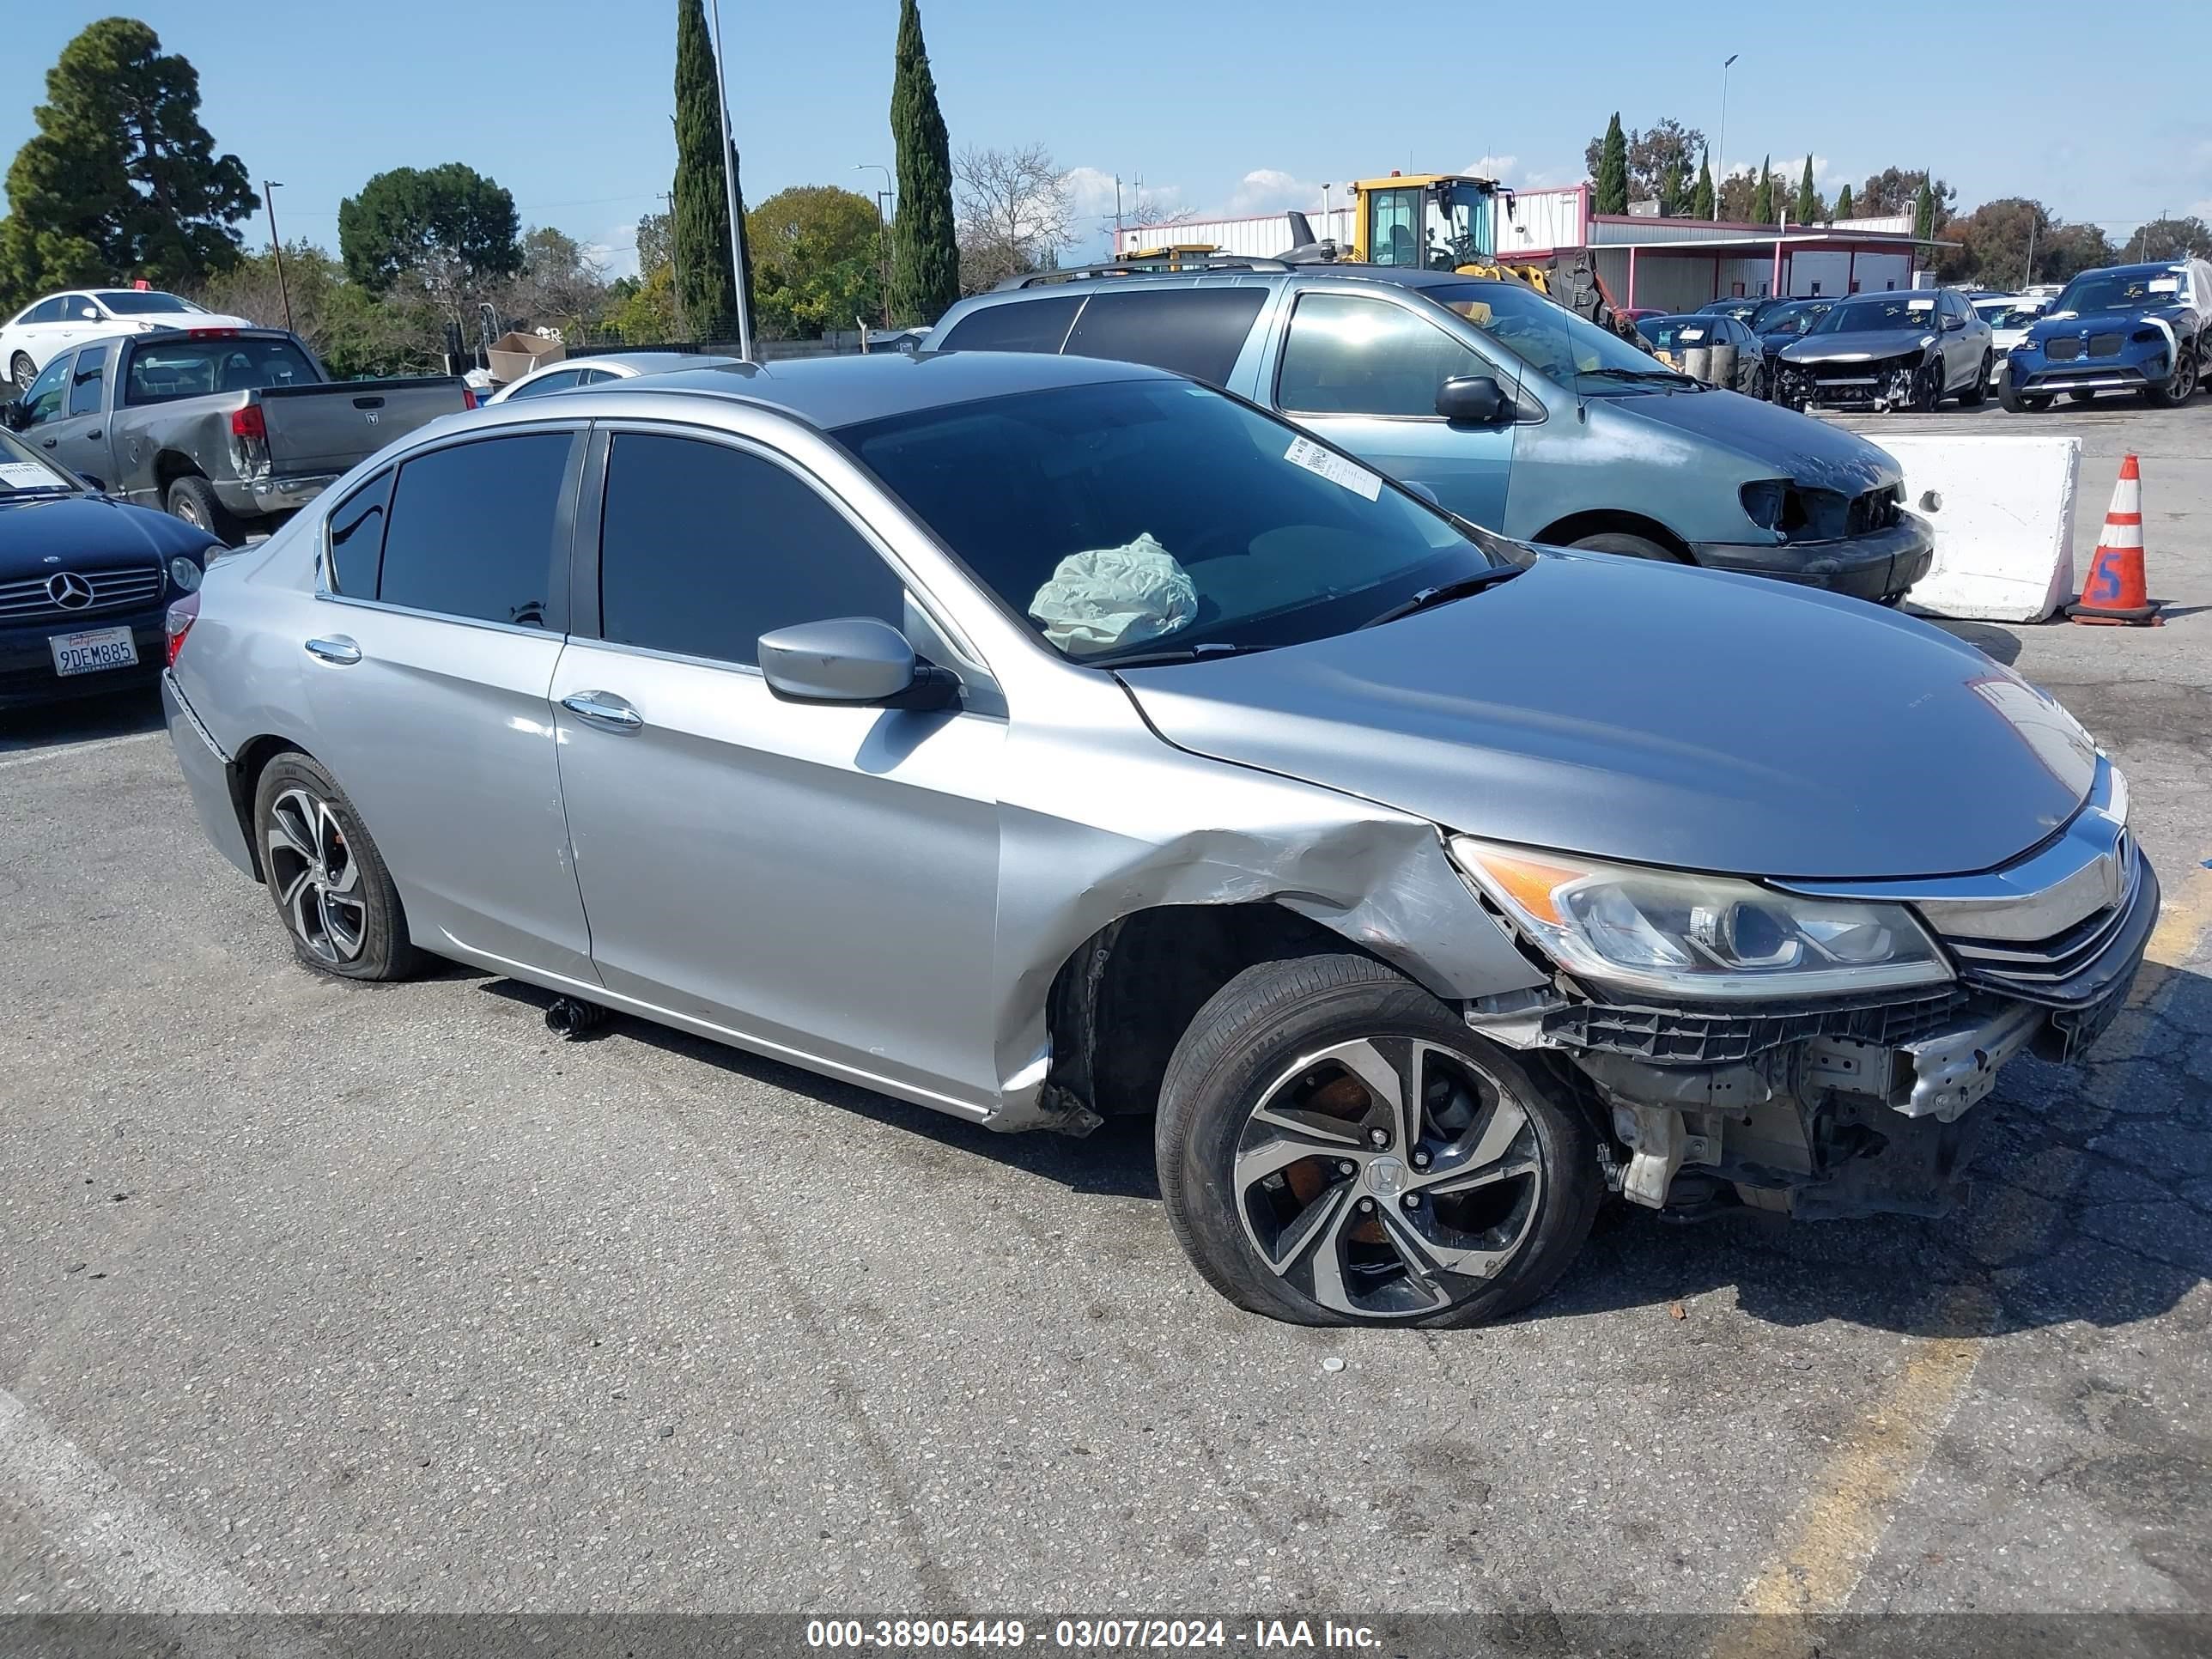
111	589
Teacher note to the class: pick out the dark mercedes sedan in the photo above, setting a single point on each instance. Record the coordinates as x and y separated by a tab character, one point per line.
85	582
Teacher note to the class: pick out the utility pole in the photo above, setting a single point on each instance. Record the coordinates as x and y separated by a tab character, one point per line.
269	189
1722	146
2028	276
674	271
883	233
730	187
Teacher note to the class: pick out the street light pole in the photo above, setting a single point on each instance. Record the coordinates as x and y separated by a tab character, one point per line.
269	189
882	231
730	189
1732	57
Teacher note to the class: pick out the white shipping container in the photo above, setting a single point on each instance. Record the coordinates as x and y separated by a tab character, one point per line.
1261	237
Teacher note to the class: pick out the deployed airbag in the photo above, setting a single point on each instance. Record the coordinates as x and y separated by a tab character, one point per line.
1115	596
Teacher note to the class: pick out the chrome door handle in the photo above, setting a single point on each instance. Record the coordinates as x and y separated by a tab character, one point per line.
338	649
603	708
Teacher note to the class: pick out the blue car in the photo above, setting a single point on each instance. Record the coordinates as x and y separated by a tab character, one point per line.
2144	329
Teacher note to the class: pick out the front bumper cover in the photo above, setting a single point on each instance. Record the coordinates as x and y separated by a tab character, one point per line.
1872	566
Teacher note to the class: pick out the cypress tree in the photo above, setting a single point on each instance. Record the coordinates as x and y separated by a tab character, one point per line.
925	253
1701	203
1612	170
705	294
1808	203
1762	200
1843	203
1923	213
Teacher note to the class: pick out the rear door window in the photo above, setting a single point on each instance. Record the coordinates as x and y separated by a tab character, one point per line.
704	548
84	381
1016	326
472	529
357	537
1198	331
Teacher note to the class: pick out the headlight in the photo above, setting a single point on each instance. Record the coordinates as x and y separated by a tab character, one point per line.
1762	501
185	574
1699	936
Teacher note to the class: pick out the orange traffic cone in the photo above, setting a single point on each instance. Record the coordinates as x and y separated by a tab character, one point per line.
2115	592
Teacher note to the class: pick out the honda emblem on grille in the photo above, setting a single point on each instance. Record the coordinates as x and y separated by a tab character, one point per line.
70	591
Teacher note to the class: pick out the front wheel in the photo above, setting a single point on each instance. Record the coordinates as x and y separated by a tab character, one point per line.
1336	1148
22	371
2017	402
1974	395
338	899
1927	396
2180	386
1628	546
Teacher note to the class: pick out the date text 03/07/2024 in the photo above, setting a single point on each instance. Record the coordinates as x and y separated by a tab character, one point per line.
1272	1635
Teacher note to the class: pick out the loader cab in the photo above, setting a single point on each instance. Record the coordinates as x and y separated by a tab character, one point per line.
1430	221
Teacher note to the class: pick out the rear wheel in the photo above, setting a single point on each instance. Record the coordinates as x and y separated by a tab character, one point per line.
22	371
1974	395
327	879
192	499
1619	541
1336	1148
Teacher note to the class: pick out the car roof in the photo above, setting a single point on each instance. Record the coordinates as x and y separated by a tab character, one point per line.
2143	268
834	392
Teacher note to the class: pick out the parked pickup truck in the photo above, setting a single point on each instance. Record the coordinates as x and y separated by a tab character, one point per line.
221	426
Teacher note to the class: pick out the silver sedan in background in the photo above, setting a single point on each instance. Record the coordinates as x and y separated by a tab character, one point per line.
1040	738
571	373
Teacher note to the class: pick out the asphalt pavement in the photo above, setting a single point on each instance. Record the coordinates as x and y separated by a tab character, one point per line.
328	1299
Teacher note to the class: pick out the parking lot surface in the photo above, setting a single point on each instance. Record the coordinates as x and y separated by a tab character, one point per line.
326	1297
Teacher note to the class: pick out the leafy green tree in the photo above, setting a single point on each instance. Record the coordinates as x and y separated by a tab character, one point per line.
1740	196
820	254
120	181
655	242
1895	190
2170	239
706	291
1844	210
1701	203
646	314
1808	207
1762	204
446	235
1923	213
357	333
1659	156
1612	195
924	244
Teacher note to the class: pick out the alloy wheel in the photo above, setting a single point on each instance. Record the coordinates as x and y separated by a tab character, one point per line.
1388	1176
315	877
22	372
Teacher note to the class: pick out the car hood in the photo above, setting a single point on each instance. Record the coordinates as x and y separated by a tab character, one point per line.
1648	712
1860	346
1781	442
2107	322
46	534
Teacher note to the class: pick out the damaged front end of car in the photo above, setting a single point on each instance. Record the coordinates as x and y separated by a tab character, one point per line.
1815	1050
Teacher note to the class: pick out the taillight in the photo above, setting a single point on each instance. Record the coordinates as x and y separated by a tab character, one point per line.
468	397
210	334
179	622
250	422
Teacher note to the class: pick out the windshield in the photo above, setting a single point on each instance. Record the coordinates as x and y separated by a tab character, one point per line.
192	368
139	302
1139	517
2120	291
1679	333
1904	310
1795	318
23	471
1738	308
1573	355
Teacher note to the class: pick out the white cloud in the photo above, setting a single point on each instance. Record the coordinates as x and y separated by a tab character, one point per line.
1090	193
1271	190
1503	168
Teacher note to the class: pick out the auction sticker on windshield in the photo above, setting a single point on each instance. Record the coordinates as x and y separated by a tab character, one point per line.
1305	452
25	475
93	650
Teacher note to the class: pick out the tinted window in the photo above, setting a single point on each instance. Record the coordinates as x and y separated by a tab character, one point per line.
1196	332
84	381
703	549
472	529
559	381
1352	357
46	311
191	368
42	400
142	302
1017	325
357	537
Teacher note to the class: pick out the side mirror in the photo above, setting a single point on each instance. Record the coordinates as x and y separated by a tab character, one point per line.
1953	324
13	415
853	659
1473	400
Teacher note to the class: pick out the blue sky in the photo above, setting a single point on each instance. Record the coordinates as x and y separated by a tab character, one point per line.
1216	105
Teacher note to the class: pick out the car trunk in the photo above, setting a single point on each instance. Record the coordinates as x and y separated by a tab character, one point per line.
328	428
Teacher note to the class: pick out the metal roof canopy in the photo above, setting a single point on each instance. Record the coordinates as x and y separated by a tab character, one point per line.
1876	241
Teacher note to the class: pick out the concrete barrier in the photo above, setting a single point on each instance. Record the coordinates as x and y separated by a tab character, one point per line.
2002	510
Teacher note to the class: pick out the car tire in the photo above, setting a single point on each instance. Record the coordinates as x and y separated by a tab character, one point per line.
22	371
1508	1178
332	890
1975	395
1619	541
192	499
1928	398
2180	386
2017	402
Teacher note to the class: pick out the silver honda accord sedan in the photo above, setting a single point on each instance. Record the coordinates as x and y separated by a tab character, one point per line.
1042	739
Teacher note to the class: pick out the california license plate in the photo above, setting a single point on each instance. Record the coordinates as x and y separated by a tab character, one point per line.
93	650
